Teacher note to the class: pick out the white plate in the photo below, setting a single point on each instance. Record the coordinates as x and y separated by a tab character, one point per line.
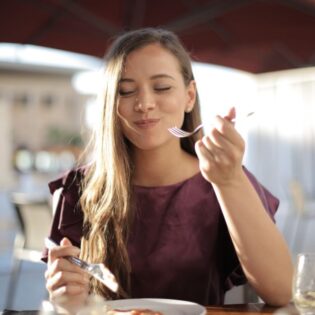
165	306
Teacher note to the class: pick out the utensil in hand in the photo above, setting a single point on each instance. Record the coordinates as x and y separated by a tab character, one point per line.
99	271
304	283
180	133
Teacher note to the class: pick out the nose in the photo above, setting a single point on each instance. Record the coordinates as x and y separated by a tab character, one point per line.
144	102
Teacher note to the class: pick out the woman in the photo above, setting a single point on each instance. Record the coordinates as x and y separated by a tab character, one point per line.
171	218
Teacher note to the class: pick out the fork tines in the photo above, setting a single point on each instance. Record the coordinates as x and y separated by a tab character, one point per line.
178	132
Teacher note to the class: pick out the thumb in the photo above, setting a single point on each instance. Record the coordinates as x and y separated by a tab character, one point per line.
231	114
65	242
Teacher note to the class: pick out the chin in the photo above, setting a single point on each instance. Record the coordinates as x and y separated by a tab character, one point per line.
147	144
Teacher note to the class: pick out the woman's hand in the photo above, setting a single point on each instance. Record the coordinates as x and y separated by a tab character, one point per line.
221	151
67	284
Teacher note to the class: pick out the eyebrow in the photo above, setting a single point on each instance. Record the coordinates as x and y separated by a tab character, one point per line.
162	75
154	77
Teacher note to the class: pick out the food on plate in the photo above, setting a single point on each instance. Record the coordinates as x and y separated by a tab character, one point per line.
133	312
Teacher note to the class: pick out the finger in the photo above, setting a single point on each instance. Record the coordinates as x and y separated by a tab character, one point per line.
202	152
223	151
62	264
219	155
62	251
62	293
231	114
205	157
62	278
222	148
227	130
215	138
65	242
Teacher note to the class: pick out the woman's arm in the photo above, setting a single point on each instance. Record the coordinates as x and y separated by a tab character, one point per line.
261	249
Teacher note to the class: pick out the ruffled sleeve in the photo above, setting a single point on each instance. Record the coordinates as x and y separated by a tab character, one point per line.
232	272
68	216
270	202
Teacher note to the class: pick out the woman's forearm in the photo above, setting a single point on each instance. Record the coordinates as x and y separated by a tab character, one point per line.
261	249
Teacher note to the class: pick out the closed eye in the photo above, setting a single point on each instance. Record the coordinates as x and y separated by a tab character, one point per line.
162	89
126	93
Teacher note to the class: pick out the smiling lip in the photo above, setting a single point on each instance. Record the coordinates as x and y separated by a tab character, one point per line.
146	123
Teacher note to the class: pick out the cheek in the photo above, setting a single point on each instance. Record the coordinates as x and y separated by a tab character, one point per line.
125	114
173	105
175	110
122	109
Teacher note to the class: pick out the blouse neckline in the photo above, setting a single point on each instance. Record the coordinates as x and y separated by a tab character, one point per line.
170	186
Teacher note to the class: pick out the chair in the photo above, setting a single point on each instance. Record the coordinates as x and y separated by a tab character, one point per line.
34	216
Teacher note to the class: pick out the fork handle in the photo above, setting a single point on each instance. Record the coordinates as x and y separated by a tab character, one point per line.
77	261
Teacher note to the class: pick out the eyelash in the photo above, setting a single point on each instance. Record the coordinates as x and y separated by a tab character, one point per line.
163	89
128	93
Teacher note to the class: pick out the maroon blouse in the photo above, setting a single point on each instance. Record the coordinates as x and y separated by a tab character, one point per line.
179	245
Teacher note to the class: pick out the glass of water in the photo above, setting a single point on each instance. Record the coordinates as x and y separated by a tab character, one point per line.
304	283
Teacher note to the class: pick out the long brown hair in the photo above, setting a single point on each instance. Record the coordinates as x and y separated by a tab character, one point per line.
106	199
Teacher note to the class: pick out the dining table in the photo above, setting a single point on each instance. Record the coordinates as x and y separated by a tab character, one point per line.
251	309
232	309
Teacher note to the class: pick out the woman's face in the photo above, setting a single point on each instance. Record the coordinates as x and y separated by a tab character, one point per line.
152	96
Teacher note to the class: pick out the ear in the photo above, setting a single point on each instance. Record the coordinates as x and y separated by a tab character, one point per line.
191	96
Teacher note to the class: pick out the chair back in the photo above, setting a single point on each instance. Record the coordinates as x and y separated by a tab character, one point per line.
34	216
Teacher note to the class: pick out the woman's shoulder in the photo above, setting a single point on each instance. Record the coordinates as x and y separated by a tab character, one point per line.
71	180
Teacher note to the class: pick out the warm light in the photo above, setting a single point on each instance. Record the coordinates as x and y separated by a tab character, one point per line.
47	57
221	88
88	82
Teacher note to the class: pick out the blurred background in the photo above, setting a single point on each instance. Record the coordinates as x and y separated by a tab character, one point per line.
254	55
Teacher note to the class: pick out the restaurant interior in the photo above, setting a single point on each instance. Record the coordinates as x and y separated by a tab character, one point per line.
255	55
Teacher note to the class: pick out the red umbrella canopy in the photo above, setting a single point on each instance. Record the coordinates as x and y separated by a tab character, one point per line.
251	35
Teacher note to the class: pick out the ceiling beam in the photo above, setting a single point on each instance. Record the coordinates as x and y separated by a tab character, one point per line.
85	15
305	6
287	55
137	12
205	14
40	31
221	32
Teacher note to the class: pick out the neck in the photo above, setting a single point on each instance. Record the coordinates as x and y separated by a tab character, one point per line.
163	166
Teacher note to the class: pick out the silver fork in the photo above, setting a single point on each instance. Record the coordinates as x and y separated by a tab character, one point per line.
180	133
99	271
